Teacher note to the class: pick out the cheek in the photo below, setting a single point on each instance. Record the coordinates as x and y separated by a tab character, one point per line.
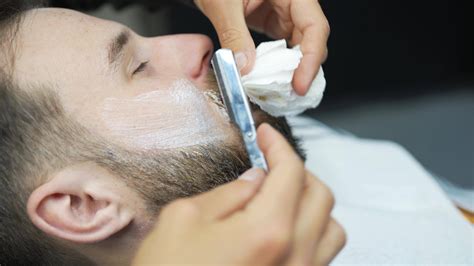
164	119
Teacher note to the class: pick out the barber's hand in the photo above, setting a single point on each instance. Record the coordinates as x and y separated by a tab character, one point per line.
299	21
283	218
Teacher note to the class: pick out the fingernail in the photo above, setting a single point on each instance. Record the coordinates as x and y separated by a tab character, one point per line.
253	174
241	59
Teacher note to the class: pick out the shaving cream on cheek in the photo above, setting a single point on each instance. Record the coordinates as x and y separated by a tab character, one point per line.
163	119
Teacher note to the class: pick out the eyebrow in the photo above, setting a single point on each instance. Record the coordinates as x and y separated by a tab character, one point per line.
116	47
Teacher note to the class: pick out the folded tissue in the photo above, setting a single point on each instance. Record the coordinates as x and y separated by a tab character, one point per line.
269	83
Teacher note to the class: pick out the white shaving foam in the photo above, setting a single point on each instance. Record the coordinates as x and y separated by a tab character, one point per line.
166	118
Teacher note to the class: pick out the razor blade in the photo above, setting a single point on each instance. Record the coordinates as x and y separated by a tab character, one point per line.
236	103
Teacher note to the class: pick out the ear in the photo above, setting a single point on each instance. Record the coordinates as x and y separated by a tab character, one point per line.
82	203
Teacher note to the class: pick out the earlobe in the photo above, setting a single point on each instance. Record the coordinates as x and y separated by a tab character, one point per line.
79	204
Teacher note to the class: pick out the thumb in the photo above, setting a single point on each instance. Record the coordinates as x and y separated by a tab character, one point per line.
228	19
224	200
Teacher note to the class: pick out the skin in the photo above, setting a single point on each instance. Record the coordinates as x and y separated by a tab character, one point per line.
67	50
298	21
75	48
282	218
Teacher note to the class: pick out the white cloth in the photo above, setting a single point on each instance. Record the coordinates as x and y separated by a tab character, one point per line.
392	209
463	197
269	83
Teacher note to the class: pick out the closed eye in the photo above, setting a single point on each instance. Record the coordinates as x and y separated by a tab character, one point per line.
140	68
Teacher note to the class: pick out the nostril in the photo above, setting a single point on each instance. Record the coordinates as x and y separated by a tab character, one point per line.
195	56
207	57
205	63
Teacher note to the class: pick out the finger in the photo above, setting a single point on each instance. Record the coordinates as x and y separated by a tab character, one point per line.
280	193
312	220
227	199
277	27
296	37
331	244
256	19
228	19
279	24
309	19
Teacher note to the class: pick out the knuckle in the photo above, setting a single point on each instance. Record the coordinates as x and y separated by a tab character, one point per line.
326	192
326	54
340	235
230	35
281	7
326	27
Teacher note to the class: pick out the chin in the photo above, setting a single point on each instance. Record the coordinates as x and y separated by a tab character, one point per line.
260	116
280	124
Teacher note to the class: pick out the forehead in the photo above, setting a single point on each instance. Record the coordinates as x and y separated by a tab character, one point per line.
66	51
53	42
47	26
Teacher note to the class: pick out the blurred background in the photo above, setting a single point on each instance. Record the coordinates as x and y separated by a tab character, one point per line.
397	70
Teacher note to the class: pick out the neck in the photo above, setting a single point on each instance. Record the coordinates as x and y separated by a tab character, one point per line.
119	249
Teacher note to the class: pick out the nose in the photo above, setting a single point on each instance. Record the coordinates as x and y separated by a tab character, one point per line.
190	52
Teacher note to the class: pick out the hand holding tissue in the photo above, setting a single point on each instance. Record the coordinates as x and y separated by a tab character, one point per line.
269	83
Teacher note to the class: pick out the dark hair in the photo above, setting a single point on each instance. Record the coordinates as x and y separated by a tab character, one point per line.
29	123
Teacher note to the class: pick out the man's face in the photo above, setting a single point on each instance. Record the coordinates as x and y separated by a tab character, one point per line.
151	101
155	129
143	93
